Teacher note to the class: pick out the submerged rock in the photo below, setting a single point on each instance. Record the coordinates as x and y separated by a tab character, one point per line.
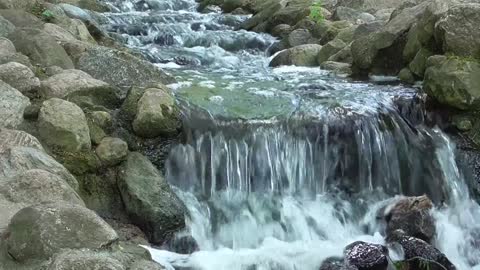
129	70
419	254
366	256
12	106
53	227
63	124
149	200
412	215
303	55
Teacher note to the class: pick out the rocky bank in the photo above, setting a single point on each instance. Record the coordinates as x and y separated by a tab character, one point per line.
78	113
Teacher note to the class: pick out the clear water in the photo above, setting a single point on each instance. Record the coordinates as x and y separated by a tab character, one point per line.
285	167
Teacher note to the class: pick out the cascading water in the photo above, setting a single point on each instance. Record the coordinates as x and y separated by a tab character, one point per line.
284	167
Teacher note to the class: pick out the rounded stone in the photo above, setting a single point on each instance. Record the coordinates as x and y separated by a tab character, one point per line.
112	151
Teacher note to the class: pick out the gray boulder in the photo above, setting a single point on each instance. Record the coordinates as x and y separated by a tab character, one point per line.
63	125
19	77
20	18
6	27
373	6
84	260
58	33
454	82
157	114
12	138
129	70
303	55
17	4
146	265
343	56
458	30
382	51
6	47
112	151
69	81
330	49
32	187
18	159
419	62
149	200
102	119
352	15
337	68
12	106
40	47
299	37
53	227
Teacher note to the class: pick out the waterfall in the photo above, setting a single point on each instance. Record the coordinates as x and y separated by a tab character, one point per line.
282	168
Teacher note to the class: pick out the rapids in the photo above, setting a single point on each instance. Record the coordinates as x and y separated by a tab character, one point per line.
284	167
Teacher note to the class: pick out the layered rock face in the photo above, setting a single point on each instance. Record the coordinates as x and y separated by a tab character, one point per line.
62	80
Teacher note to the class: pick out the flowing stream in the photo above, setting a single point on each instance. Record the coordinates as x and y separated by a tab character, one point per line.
284	167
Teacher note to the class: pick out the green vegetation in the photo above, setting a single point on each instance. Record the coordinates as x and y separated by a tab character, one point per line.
316	13
42	12
47	16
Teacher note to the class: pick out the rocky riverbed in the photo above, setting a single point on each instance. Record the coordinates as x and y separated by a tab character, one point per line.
239	134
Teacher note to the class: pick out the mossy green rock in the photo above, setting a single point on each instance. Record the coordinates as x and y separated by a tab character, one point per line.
38	232
405	75
303	55
63	125
454	82
419	62
330	49
130	104
157	114
149	200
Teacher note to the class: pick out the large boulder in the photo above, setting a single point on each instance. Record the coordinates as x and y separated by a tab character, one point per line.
303	55
19	77
382	51
84	260
20	18
412	215
40	47
6	27
454	82
53	227
157	114
12	106
58	33
69	81
366	256
18	159
17	4
12	138
93	5
149	200
299	37
129	70
62	124
33	187
458	30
